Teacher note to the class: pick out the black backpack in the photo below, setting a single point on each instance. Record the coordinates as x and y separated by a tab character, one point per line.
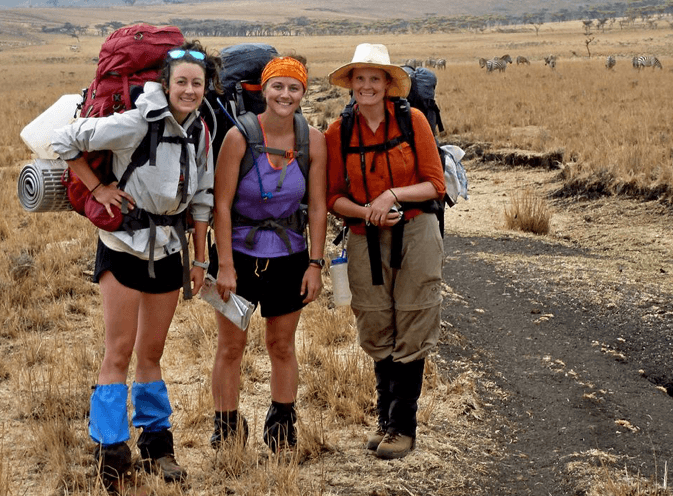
241	74
422	95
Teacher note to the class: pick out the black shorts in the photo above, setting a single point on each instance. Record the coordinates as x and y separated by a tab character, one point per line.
273	283
133	272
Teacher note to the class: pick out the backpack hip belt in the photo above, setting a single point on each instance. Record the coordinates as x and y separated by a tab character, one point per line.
139	218
295	222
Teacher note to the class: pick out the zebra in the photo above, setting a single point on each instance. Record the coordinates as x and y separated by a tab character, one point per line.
413	63
640	61
482	62
610	62
430	62
550	60
522	60
440	63
499	63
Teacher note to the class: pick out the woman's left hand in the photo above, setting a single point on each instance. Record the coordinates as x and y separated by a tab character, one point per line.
197	275
311	284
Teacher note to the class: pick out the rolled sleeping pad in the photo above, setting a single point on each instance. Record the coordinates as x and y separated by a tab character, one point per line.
40	188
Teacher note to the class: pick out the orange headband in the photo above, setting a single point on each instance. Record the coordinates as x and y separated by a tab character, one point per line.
285	67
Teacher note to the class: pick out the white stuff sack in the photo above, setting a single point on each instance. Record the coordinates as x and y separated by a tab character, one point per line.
455	177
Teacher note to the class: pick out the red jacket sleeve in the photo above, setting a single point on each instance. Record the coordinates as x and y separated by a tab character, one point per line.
336	171
430	167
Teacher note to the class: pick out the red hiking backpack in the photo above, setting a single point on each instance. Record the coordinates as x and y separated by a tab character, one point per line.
129	57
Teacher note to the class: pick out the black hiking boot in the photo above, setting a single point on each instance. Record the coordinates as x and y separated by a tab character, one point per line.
117	471
280	433
382	372
406	384
228	425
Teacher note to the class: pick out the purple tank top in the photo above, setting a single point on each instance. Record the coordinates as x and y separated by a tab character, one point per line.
249	202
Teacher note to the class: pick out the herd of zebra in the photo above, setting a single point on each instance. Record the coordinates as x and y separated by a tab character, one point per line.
638	62
500	63
429	62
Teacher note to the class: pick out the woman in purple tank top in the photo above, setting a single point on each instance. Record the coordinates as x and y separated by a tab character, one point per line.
267	265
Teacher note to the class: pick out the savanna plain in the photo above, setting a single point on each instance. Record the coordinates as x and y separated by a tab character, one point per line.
611	137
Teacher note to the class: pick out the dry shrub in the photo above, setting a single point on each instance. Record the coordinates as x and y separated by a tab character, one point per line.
598	473
329	355
325	327
528	213
313	438
351	382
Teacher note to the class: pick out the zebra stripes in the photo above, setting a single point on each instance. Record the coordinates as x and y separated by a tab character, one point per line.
436	63
641	61
610	62
498	63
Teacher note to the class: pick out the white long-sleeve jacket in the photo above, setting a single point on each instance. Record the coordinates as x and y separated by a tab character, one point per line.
157	189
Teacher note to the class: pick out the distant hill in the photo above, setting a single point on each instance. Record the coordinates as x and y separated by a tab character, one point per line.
540	10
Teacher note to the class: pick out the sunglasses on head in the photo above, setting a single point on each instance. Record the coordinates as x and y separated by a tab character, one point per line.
179	53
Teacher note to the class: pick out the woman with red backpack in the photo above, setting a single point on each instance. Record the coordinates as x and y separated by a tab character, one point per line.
139	268
379	183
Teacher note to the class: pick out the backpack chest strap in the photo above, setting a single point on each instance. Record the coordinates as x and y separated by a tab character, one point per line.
378	147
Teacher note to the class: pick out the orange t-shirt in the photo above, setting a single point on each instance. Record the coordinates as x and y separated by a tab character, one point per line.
403	167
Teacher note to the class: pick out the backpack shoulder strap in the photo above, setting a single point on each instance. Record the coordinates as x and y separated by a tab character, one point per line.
301	143
145	152
403	118
252	132
347	124
255	138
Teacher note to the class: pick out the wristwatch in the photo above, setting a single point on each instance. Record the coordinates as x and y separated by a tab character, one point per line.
203	265
320	262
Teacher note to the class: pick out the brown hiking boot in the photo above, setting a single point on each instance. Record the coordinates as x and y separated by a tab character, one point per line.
127	486
395	445
167	466
375	438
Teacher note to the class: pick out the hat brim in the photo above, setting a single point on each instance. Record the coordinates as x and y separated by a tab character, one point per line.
399	86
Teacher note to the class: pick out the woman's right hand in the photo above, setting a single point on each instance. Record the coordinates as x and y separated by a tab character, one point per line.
379	211
108	195
226	282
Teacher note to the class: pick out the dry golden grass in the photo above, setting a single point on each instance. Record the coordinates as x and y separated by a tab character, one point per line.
528	213
613	127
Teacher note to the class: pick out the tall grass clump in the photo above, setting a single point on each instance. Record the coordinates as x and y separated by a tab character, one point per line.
528	213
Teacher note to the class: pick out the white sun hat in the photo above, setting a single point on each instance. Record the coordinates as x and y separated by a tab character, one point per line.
376	56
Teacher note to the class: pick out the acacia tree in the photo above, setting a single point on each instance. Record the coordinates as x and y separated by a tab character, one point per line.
535	20
587	42
587	26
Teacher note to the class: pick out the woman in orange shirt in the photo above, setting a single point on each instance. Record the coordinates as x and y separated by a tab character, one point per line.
394	247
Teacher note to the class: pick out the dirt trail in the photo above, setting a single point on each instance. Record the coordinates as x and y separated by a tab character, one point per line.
572	355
